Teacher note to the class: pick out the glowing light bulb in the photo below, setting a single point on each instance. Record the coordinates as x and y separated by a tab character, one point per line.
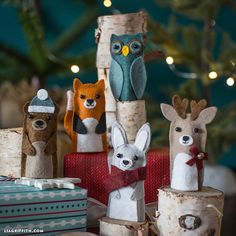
107	3
74	69
212	75
169	60
230	81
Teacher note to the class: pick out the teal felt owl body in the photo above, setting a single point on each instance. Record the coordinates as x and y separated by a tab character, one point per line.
127	71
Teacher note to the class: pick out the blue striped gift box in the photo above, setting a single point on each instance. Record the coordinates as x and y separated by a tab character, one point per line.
24	209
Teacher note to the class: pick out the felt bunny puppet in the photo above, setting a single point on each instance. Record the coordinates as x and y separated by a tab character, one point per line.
127	164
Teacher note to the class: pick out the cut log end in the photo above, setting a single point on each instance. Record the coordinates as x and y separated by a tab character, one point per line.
190	213
111	227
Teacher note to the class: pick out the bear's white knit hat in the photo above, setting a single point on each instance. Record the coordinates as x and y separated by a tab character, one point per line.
42	103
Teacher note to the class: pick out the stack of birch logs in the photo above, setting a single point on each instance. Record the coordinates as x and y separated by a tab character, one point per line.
131	116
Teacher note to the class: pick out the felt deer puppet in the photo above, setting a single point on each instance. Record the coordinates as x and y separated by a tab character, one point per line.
85	118
187	137
127	164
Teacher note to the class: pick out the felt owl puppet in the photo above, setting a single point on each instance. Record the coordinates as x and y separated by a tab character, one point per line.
127	71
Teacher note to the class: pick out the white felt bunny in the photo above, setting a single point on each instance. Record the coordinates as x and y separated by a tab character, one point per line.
127	165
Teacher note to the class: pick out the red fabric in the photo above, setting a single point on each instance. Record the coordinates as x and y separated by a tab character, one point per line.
119	178
92	168
199	162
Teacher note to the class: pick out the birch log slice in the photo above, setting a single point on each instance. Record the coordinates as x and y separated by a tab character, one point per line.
10	152
190	213
112	227
131	115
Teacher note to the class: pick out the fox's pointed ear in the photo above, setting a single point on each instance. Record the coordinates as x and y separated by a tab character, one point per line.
25	108
101	84
77	83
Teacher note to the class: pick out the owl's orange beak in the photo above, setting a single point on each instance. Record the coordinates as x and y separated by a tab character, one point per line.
125	50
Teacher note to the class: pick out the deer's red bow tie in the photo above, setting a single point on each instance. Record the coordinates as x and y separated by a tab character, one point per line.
198	157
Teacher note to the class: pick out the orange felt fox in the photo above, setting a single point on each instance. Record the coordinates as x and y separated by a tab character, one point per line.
85	118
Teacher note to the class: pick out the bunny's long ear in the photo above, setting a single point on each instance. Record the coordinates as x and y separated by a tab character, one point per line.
118	135
143	138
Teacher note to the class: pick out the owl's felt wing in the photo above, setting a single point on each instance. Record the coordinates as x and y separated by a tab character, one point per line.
138	77
116	79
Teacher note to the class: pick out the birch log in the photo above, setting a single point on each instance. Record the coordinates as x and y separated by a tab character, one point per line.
111	227
131	23
190	213
10	152
131	115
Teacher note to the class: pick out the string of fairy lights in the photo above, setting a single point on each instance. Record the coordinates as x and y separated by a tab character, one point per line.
230	81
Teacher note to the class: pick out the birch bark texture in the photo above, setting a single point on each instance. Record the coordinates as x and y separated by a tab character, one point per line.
111	227
189	213
131	23
131	115
10	152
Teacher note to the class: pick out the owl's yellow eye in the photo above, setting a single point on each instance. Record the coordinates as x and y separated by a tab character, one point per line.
116	47
136	47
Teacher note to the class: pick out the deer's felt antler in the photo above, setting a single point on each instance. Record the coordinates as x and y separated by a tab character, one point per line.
180	105
197	107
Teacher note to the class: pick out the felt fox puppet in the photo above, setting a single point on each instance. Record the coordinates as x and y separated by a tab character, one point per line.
85	118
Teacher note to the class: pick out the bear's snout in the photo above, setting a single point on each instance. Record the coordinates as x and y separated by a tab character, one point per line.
39	124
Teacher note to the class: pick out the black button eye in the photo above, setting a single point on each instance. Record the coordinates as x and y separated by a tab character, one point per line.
135	158
119	155
97	96
196	130
178	129
30	116
82	96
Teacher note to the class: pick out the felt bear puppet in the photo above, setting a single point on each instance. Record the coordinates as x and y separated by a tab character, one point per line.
39	144
188	135
127	71
127	165
85	118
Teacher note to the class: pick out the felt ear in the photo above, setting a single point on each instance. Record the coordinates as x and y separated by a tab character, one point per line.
169	112
114	37
139	36
56	108
118	135
25	108
207	115
143	138
76	84
101	84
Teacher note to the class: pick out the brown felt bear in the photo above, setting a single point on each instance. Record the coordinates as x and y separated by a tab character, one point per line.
39	144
